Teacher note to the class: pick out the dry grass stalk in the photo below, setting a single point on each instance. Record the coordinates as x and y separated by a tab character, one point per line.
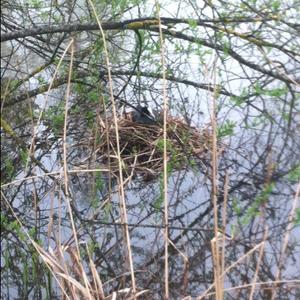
261	252
245	256
224	223
217	256
50	261
286	238
165	153
98	286
269	285
118	152
125	294
65	168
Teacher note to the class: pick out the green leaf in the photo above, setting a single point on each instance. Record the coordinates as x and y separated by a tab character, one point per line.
99	184
24	156
9	167
157	204
226	129
297	216
236	207
275	4
93	96
294	175
192	23
90	117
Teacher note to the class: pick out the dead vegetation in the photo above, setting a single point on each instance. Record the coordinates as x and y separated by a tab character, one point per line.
142	147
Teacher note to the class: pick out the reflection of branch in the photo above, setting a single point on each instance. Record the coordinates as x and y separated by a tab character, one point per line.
155	226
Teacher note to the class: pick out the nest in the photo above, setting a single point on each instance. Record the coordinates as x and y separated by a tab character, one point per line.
141	147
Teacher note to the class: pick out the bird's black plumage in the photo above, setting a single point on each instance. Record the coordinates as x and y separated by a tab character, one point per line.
142	115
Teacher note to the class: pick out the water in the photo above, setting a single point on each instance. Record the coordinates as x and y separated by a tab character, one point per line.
260	153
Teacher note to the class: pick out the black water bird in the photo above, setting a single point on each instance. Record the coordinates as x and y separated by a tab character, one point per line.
142	115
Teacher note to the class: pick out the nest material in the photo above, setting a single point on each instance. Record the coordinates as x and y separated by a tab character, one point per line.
141	147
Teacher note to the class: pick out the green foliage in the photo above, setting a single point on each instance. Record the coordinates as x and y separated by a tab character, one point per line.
253	210
92	246
226	129
258	120
20	257
236	208
12	226
120	6
294	175
192	23
7	261
41	80
8	86
107	211
93	96
245	216
226	48
33	233
36	4
90	117
99	184
24	156
25	277
297	217
98	48
160	145
75	109
9	167
156	50
175	157
259	91
58	122
232	230
203	53
55	117
79	88
275	4
193	164
158	203
275	92
239	100
173	164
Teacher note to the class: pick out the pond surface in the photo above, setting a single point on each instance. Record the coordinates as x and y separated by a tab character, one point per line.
61	208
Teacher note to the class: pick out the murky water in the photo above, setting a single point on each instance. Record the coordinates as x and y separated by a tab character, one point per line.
258	152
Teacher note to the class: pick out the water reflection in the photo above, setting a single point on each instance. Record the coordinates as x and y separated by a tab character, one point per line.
259	160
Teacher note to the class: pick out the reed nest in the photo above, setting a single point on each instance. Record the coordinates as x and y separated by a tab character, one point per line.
141	147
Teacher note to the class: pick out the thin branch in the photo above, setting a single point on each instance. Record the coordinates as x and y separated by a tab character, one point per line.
141	22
